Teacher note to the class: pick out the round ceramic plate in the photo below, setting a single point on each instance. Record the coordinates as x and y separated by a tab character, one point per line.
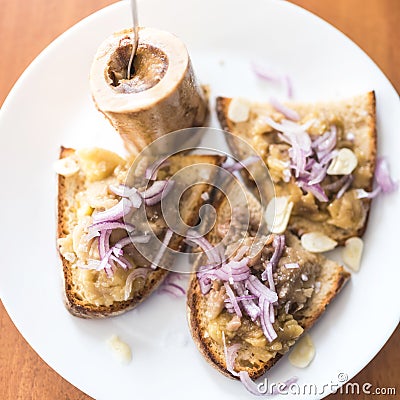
51	106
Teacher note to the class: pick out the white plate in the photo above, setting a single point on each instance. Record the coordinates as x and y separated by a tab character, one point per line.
50	105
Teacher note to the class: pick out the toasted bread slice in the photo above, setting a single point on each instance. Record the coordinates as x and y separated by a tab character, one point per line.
355	120
317	278
90	293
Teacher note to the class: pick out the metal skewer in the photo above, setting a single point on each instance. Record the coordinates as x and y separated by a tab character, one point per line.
136	36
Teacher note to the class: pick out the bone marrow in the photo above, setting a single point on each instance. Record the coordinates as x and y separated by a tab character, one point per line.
149	67
163	94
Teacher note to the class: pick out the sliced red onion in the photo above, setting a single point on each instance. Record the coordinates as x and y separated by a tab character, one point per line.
122	261
140	238
280	128
232	299
92	235
279	246
122	243
135	274
260	290
152	170
118	252
295	127
315	190
230	355
127	241
322	138
155	189
383	178
205	283
384	182
308	172
299	159
267	275
345	186
104	241
171	286
106	225
109	270
269	76
328	157
235	268
152	200
363	194
325	143
265	74
173	289
289	86
243	164
301	147
105	263
225	276
234	271
119	190
284	110
251	308
337	184
243	298
271	313
265	320
318	174
162	249
114	213
250	385
241	252
310	163
210	251
131	193
228	163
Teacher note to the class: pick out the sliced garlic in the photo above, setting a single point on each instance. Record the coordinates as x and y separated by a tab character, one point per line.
121	350
278	213
66	166
303	352
317	242
343	164
239	110
352	253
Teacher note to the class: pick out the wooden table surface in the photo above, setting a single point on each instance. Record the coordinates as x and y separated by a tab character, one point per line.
26	27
